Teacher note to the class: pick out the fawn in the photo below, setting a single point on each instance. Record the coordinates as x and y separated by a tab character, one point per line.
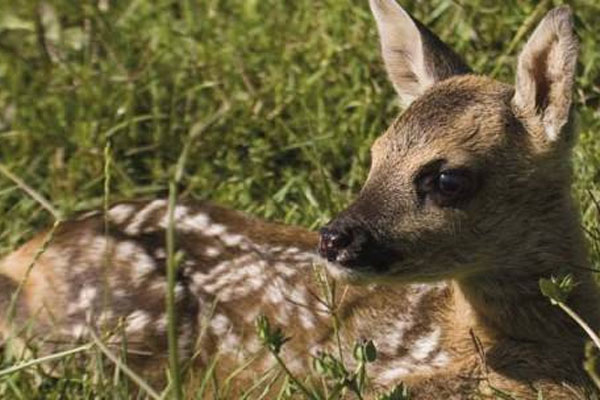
467	204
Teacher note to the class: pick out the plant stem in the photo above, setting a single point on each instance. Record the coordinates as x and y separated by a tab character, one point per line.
123	367
590	367
40	251
171	314
106	205
300	386
31	192
590	332
50	357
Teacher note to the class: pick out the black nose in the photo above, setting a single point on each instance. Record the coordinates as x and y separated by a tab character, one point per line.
333	241
345	241
351	244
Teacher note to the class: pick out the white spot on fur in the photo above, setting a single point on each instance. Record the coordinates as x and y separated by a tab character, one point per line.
159	286
103	318
255	282
395	338
292	250
233	279
178	290
86	297
315	350
440	359
272	295
188	264
253	269
251	315
78	331
199	279
220	324
126	250
231	342
426	345
299	296
228	293
393	374
88	214
161	323
212	252
232	240
231	272
296	364
185	340
215	230
197	223
97	247
143	266
160	253
304	257
252	345
307	320
120	213
239	282
179	214
137	321
285	270
550	131
142	216
141	263
59	258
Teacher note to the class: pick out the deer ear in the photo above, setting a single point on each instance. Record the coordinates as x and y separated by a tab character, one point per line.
414	57
546	71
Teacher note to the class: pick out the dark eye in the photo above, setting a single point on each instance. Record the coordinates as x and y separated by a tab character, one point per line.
446	188
452	184
451	187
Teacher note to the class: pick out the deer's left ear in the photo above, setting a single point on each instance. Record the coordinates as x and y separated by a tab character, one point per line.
546	71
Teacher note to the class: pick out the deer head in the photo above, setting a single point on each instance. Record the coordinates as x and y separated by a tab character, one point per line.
474	175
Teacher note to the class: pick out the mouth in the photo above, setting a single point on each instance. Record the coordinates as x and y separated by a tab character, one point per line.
343	273
374	260
361	268
395	272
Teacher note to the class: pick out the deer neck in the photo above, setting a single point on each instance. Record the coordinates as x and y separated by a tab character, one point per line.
505	300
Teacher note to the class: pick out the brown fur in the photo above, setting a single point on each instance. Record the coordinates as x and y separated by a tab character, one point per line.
454	310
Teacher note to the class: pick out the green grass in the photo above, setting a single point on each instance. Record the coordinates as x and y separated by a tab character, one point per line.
276	103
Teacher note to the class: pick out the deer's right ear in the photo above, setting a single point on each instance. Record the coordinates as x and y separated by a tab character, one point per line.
414	57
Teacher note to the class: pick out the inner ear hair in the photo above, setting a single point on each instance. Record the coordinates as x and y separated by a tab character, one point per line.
546	72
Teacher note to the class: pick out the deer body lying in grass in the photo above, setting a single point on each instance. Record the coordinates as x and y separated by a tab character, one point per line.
467	205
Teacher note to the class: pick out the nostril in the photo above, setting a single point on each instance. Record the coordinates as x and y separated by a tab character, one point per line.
352	245
340	239
332	242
